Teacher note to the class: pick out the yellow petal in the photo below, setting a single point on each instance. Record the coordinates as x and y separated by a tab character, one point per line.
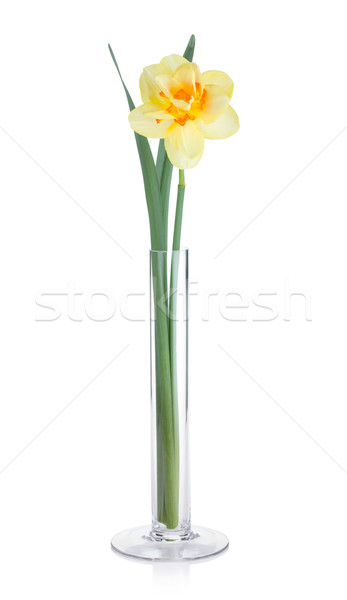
184	145
144	120
181	104
218	78
184	78
187	75
149	86
166	84
225	126
173	61
215	103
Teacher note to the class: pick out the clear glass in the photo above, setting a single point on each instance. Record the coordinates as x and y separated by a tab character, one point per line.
170	537
169	282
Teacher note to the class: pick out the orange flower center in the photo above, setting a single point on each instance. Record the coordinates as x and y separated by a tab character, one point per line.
182	95
196	104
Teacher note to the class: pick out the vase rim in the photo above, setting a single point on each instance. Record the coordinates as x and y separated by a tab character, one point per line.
182	249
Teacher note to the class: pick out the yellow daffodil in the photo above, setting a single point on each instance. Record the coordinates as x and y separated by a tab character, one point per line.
184	106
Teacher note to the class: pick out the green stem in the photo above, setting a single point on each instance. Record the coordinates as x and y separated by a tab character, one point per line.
167	424
179	212
167	482
172	319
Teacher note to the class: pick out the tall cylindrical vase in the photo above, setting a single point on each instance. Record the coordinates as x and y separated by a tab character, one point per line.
170	537
169	395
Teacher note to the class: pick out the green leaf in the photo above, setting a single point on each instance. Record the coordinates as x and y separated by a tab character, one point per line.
129	98
163	165
150	178
189	51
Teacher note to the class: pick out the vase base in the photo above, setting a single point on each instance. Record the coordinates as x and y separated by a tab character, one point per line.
138	543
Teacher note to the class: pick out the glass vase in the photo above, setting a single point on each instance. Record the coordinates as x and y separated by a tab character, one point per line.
171	536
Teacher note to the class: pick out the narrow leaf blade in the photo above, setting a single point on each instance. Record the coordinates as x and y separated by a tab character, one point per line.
150	178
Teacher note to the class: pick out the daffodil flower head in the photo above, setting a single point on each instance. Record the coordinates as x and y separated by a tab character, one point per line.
184	106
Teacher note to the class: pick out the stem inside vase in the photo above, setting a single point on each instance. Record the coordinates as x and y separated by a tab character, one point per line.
171	507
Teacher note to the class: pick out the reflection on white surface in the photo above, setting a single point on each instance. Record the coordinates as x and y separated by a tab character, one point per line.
173	575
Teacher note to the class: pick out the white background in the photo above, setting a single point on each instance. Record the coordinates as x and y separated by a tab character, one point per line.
269	451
